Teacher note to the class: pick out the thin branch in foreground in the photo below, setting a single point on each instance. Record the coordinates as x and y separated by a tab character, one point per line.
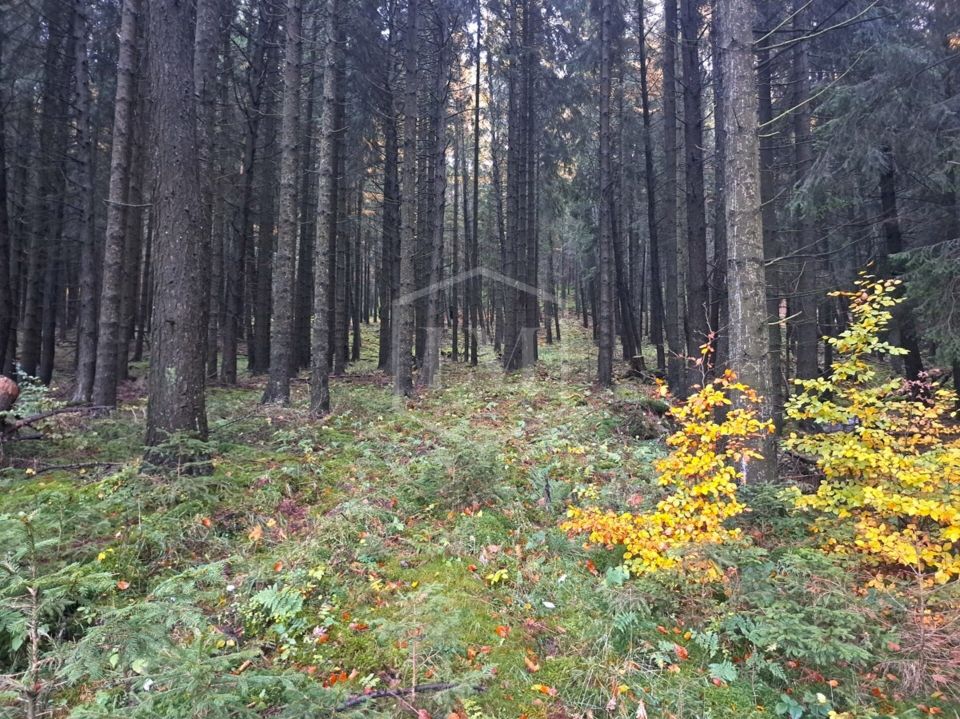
359	699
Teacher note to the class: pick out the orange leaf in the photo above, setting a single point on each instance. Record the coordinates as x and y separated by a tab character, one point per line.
255	534
123	584
278	566
532	665
502	631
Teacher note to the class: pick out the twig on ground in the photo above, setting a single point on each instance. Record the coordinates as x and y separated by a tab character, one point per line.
397	693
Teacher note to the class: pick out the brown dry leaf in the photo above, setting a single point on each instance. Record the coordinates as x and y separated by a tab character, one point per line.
255	534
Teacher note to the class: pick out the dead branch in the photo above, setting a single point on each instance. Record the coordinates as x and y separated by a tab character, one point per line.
397	693
13	427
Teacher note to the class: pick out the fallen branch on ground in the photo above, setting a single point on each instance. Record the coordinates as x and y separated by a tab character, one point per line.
397	693
13	427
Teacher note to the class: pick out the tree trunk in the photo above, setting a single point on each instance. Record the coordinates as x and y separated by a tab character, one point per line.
475	280
718	277
904	322
806	331
403	341
82	216
656	293
308	214
771	244
745	268
326	219
390	236
7	306
206	45
697	277
176	402
106	375
434	326
675	361
604	246
133	232
282	362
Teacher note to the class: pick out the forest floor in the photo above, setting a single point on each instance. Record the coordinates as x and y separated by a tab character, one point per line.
404	559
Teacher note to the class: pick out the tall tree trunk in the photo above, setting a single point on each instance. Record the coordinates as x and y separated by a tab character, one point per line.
455	252
389	236
133	232
771	245
341	236
745	266
403	322
259	350
176	402
282	360
308	214
513	311
604	246
48	206
806	331
656	293
356	282
697	277
530	172
82	216
474	282
106	376
718	277
905	325
431	358
326	218
7	304
206	46
676	366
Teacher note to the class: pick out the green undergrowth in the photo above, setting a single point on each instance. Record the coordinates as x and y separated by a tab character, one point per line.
411	547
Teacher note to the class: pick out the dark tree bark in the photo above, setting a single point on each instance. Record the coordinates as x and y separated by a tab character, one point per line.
282	361
133	232
697	277
676	365
604	246
82	215
47	207
905	326
207	43
650	178
404	319
106	376
176	402
308	212
356	281
389	236
7	307
806	331
326	218
259	343
718	277
475	282
455	251
431	358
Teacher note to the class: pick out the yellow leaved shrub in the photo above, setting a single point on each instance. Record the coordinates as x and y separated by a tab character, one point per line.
703	469
888	452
